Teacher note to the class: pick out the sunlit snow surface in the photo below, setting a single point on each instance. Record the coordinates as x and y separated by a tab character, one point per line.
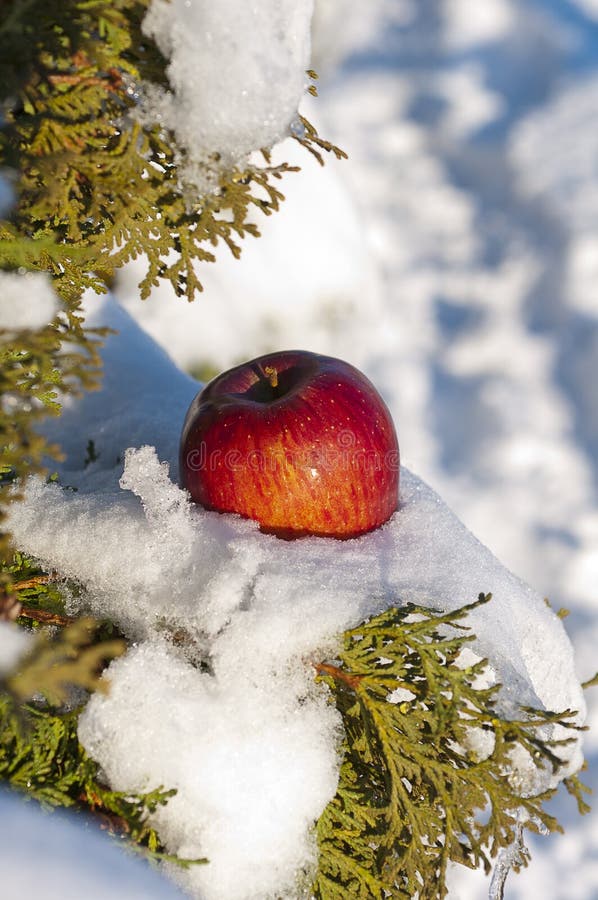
59	856
251	746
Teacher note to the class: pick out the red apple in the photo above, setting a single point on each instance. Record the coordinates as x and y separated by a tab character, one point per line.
302	443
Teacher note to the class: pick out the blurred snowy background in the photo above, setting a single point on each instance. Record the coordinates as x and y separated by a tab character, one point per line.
454	258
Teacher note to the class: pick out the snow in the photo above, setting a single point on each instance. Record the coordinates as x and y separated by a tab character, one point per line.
251	745
471	24
565	178
253	764
26	300
14	643
236	73
590	7
55	857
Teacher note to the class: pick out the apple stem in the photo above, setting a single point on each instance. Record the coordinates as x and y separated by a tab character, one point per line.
272	375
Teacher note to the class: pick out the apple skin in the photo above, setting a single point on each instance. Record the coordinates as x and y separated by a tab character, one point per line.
302	443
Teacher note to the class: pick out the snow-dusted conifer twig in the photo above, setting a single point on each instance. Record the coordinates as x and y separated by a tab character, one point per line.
428	776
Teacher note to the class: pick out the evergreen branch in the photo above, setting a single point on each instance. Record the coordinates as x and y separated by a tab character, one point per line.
39	749
40	754
308	137
428	779
89	173
577	789
58	662
591	682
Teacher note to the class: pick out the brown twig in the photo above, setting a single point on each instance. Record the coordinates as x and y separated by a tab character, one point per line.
48	618
12	608
33	582
108	821
339	674
112	79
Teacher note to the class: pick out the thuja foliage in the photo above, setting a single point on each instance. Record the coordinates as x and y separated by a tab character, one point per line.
94	187
88	174
34	367
427	773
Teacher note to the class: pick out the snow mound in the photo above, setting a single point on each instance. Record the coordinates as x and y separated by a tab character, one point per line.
236	71
249	742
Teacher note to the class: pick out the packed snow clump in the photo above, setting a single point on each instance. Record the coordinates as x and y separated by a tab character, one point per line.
26	300
52	856
236	72
249	742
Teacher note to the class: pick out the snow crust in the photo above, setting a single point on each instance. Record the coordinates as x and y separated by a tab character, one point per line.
251	744
55	857
26	300
236	72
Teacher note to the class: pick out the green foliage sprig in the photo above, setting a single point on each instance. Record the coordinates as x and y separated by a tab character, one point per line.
89	175
417	786
36	369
